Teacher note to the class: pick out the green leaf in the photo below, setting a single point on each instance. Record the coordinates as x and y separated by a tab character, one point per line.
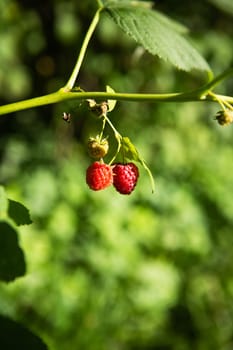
111	3
131	153
224	5
129	150
13	209
3	203
157	34
12	263
147	5
111	103
19	213
15	336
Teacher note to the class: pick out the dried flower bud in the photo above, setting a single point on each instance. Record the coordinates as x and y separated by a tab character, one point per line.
100	109
225	117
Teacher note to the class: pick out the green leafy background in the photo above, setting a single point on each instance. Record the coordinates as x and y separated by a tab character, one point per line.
105	271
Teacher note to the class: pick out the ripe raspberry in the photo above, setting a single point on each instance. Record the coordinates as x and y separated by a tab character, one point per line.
125	177
99	176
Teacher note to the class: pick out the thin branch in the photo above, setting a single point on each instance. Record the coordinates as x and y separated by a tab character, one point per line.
61	96
70	84
217	80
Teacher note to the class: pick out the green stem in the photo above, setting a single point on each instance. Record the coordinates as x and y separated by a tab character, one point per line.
218	97
211	84
61	96
70	84
218	100
118	137
113	128
99	2
103	127
228	105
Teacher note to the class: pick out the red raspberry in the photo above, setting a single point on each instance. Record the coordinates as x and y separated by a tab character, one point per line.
125	177
99	176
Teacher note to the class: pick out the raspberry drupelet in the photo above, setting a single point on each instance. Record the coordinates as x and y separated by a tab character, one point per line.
99	176
125	177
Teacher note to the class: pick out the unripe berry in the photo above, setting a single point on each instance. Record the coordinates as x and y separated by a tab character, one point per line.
97	148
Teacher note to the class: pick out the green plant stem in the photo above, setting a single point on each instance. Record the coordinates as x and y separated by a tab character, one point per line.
61	96
103	127
118	137
70	84
218	100
99	2
217	97
211	84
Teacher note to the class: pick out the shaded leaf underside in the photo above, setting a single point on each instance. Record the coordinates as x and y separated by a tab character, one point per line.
12	263
19	213
15	336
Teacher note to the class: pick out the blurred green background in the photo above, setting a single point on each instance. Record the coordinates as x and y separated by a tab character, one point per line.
106	271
